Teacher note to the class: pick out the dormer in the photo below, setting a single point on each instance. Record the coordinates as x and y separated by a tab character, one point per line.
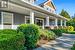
48	5
30	1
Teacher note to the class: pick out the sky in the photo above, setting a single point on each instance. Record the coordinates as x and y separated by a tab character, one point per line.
68	5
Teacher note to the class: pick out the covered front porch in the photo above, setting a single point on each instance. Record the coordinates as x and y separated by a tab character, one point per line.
9	20
14	15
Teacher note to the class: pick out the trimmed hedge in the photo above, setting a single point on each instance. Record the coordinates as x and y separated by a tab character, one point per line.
32	34
71	32
47	35
58	32
11	40
70	28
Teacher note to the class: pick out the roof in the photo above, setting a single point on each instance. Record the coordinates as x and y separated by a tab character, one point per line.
50	3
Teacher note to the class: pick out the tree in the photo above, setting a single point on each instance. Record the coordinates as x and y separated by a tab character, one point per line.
73	17
71	22
65	14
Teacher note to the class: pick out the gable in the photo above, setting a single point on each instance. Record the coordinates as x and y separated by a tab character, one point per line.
50	4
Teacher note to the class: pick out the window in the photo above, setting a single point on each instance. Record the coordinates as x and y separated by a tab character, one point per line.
40	22
27	19
4	3
7	18
0	17
59	22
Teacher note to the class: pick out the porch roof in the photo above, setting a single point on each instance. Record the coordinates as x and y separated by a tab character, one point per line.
37	8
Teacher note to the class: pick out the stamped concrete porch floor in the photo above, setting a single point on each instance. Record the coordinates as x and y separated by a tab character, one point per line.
62	43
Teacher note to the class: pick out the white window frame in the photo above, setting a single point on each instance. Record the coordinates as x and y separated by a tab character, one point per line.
2	20
26	19
42	20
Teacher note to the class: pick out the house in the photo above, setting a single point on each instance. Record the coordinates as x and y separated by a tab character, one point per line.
16	12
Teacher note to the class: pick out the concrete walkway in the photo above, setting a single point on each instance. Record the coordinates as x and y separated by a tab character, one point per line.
62	43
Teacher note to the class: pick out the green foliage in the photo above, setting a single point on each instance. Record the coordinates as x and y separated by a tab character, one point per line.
65	14
11	40
70	28
71	32
48	35
58	32
73	48
32	34
71	23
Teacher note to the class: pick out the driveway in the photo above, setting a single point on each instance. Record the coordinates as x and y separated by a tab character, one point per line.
62	43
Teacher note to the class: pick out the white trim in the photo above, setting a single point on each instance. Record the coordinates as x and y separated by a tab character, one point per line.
12	21
61	22
50	7
2	19
56	22
31	17
47	2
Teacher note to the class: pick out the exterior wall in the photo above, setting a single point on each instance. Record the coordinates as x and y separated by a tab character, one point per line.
52	22
18	19
49	5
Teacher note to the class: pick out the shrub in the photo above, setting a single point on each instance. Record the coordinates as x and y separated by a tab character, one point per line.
32	34
64	30
11	40
71	32
70	28
47	35
73	48
58	32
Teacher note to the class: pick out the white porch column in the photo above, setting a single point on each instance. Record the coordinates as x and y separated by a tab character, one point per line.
65	23
47	21
31	17
56	22
61	22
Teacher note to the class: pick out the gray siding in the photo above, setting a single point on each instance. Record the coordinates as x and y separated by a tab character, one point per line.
18	19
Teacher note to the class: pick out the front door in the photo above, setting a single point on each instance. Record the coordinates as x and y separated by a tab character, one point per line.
40	22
